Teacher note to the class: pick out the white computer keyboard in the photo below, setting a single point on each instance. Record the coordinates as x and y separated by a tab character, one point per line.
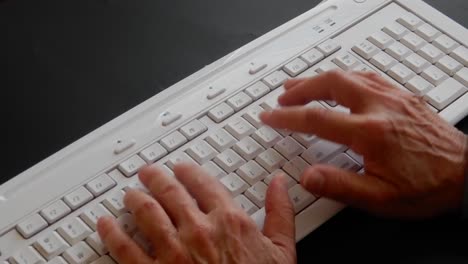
49	212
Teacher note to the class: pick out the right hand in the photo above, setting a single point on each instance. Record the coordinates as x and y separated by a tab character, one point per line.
414	161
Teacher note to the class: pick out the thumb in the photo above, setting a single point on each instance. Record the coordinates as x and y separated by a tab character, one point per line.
279	224
361	191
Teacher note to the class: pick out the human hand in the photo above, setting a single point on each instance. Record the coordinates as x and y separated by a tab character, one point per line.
195	220
414	161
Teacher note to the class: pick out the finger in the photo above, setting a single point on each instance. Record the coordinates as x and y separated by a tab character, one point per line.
206	190
170	194
279	220
333	85
291	83
150	218
328	124
119	244
361	191
379	81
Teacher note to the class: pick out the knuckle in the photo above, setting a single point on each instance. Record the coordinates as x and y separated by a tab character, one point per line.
144	208
198	234
237	218
376	125
123	249
169	189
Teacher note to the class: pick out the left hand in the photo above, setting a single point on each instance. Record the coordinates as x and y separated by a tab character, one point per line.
212	229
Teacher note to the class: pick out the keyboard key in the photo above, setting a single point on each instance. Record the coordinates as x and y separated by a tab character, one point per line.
401	73
74	230
27	255
413	41
114	203
229	160
220	112
257	90
416	63
410	21
234	184
244	203
221	140
327	66
434	75
321	150
300	198
100	185
346	61
270	102
366	49
58	260
90	216
270	160
461	55
418	85
445	43
202	152
127	223
398	51
312	57
78	198
290	182
131	165
295	67
329	47
173	141
257	193
55	211
289	148
80	253
275	79
295	167
444	94
431	53
239	101
103	260
137	185
252	116
266	136
306	140
51	245
153	153
240	128
251	172
395	30
449	65
383	61
427	32
214	170
462	76
345	162
94	240
248	148
356	157
193	129
178	157
381	40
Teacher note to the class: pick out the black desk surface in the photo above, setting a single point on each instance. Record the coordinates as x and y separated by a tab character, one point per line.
67	67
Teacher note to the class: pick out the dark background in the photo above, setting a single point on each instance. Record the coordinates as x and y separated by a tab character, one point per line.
68	67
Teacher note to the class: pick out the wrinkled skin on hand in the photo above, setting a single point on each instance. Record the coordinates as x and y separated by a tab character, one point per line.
212	230
414	160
